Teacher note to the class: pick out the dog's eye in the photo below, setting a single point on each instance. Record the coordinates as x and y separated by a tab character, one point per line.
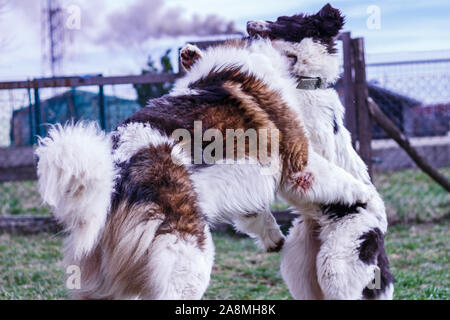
292	59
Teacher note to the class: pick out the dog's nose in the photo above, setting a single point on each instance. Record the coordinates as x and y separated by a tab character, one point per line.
258	28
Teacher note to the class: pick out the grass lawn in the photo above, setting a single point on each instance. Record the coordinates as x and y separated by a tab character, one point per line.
30	266
411	196
21	198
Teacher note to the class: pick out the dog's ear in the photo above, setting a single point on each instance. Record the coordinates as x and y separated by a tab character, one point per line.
329	20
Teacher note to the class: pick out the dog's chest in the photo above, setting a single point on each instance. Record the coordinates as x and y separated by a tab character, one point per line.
320	120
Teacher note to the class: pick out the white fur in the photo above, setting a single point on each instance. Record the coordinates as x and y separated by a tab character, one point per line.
76	177
232	193
341	274
76	173
179	269
135	136
260	59
330	184
298	262
313	59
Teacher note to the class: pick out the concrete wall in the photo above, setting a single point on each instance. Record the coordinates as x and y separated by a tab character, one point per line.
436	150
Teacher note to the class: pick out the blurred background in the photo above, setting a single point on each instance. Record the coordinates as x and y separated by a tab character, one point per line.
102	60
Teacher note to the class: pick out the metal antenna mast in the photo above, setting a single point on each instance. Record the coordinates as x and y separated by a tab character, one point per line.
53	43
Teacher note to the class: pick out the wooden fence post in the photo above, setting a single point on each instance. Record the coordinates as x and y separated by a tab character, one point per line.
361	95
348	85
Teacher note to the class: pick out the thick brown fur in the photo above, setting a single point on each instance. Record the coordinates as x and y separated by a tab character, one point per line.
151	176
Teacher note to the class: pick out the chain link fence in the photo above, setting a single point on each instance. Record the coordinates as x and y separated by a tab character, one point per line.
413	90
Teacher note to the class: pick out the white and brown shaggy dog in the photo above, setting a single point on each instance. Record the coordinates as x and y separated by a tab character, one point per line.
332	251
137	208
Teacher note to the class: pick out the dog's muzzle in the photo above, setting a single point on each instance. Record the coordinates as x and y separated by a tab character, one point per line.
258	28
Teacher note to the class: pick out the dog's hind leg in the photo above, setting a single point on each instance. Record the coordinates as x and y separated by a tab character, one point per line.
263	227
178	269
352	262
298	260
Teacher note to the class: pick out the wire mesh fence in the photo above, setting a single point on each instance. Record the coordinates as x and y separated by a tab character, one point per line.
415	95
413	90
63	105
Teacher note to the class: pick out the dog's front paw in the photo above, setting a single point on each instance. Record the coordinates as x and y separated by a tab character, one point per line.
302	180
189	54
274	241
278	246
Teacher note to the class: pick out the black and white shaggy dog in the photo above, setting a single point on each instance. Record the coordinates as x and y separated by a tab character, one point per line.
332	251
137	208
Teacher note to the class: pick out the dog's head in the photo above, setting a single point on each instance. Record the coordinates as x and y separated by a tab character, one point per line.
308	41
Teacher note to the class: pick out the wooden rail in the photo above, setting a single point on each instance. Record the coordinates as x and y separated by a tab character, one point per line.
26	224
17	164
95	80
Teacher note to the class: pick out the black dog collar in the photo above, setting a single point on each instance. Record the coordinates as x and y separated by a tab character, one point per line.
311	83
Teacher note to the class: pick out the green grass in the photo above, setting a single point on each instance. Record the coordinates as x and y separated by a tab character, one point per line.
419	256
21	198
411	196
30	266
242	271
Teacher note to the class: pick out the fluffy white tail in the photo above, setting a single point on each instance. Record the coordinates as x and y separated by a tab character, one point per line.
76	178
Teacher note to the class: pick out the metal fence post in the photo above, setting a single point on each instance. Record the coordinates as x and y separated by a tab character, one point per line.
361	96
37	111
102	107
30	117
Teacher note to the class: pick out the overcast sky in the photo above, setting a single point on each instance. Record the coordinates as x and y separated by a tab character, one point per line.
116	36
